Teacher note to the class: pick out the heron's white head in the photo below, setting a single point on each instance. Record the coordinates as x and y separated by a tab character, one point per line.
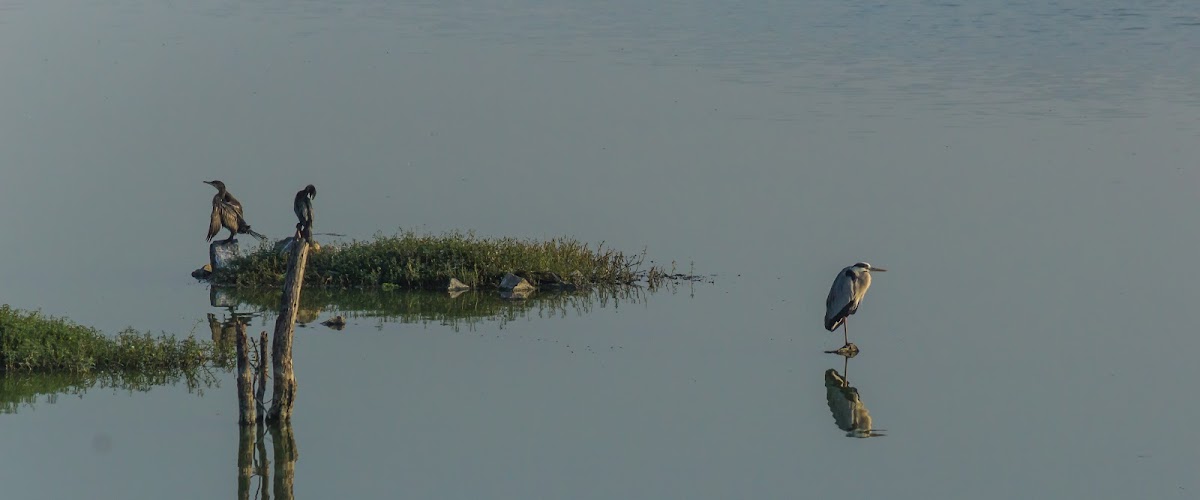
868	267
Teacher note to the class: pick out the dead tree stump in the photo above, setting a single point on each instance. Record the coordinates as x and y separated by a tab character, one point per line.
284	389
260	391
245	461
245	380
285	460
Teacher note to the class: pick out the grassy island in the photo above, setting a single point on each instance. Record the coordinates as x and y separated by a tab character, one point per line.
32	342
413	261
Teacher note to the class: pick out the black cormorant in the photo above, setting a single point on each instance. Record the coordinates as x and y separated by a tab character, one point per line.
304	211
227	213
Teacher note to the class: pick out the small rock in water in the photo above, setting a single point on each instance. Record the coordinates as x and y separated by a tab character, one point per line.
514	283
337	322
220	253
849	350
456	286
203	273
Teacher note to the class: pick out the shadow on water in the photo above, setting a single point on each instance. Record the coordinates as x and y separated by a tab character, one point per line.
25	390
253	461
457	310
849	412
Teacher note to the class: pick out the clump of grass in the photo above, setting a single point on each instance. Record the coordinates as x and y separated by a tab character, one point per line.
32	342
27	389
421	261
466	309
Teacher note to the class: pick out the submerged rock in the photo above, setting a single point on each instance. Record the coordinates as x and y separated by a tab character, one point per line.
456	286
220	253
521	294
514	283
336	322
203	273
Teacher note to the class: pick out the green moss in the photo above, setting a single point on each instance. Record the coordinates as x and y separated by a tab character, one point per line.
32	342
413	261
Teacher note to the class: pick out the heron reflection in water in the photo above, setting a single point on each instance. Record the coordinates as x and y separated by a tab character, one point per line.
846	405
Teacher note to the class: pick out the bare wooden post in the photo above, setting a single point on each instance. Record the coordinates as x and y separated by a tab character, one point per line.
264	465
245	461
284	389
261	390
245	380
285	460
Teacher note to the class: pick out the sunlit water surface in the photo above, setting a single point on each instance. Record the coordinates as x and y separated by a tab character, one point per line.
1026	171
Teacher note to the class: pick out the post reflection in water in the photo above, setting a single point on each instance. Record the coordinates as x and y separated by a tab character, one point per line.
225	330
849	412
253	461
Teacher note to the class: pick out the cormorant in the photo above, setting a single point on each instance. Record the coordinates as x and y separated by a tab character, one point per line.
227	213
304	211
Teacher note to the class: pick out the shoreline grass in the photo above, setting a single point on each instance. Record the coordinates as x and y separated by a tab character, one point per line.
32	342
423	261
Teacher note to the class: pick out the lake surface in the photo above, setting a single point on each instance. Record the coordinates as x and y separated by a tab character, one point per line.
1026	171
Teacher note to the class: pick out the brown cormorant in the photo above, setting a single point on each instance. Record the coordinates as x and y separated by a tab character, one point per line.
304	211
227	213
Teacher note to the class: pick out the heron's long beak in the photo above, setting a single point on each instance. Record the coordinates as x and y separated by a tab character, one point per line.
879	269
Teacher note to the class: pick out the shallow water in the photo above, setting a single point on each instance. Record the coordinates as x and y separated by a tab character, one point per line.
1026	172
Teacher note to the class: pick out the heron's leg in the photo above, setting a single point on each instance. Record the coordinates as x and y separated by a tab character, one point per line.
846	330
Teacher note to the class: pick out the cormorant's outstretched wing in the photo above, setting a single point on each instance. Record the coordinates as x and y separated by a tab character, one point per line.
214	225
233	204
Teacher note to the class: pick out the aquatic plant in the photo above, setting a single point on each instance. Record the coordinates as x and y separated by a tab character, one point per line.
422	261
33	342
459	309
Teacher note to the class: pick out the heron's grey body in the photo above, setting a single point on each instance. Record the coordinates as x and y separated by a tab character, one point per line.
846	294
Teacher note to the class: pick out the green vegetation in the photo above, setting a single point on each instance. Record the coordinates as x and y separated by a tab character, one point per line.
424	307
32	342
413	261
25	389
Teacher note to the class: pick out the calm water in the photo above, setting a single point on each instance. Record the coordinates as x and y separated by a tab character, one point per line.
1026	171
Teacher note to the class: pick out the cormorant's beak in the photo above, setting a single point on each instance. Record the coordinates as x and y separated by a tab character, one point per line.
879	269
208	182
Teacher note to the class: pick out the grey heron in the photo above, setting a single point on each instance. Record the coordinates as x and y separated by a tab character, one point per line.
846	294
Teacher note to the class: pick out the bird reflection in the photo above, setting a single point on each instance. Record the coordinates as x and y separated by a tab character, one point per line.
848	410
225	330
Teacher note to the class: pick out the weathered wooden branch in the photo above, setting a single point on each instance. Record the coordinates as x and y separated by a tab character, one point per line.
245	461
285	460
264	464
284	388
245	379
260	391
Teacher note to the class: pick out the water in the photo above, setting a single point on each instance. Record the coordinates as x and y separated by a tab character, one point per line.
1025	171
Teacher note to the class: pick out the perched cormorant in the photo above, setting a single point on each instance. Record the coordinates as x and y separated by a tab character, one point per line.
227	213
304	211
